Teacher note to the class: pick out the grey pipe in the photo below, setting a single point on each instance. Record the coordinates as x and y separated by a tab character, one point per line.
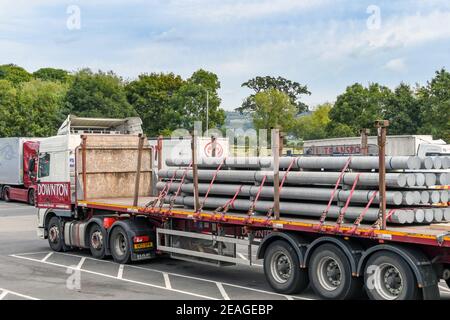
398	180
304	162
446	214
316	194
301	209
444	196
426	163
438	214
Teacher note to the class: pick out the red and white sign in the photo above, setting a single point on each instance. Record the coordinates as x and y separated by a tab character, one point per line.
208	149
54	195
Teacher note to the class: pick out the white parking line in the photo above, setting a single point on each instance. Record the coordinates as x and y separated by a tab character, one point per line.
5	292
184	276
222	291
167	281
245	258
112	277
120	272
80	264
447	290
47	256
242	256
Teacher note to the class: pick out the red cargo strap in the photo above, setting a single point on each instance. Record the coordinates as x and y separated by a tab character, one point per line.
377	223
325	212
209	187
152	204
229	203
253	205
341	216
270	211
172	199
358	220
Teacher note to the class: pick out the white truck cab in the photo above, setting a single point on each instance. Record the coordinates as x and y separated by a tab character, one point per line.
57	166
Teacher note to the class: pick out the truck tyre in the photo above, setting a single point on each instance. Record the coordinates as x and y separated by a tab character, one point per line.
282	268
97	241
330	274
119	245
55	239
31	200
6	194
387	276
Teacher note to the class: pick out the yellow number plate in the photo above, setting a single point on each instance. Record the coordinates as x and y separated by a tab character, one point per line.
143	245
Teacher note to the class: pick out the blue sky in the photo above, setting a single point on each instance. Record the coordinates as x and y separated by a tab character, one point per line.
324	44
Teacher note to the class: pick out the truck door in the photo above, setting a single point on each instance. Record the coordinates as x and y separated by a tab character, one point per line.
53	187
30	155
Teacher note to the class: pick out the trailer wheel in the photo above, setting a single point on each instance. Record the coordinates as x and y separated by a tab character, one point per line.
282	269
387	276
120	246
97	241
31	200
330	274
55	239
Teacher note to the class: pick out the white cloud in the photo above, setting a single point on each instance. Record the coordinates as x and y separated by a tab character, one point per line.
396	65
349	38
220	10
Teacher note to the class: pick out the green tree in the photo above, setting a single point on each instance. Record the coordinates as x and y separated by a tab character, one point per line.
31	110
14	73
358	107
192	99
313	126
292	89
8	110
52	74
435	101
100	94
151	96
403	111
274	108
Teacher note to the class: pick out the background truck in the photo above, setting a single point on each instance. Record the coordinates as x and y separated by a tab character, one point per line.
18	169
95	191
403	145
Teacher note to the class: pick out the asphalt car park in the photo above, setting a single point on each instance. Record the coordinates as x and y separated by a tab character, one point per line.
29	270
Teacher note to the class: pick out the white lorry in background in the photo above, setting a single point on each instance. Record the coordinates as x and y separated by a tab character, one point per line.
404	145
18	169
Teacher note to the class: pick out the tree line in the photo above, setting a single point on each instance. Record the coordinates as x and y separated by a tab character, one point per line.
35	104
423	109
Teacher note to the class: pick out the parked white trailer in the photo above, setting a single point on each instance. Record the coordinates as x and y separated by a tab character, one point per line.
401	145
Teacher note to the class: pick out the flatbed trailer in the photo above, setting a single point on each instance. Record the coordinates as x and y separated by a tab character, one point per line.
111	210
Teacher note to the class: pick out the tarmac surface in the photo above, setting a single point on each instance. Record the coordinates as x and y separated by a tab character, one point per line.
30	270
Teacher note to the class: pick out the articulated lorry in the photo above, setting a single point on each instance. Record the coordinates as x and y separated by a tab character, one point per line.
18	160
97	191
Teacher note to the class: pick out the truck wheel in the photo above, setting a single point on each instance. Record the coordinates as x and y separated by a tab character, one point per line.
31	200
55	239
6	194
330	274
120	246
387	276
282	268
97	241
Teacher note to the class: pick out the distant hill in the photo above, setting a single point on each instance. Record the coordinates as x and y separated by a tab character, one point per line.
236	120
